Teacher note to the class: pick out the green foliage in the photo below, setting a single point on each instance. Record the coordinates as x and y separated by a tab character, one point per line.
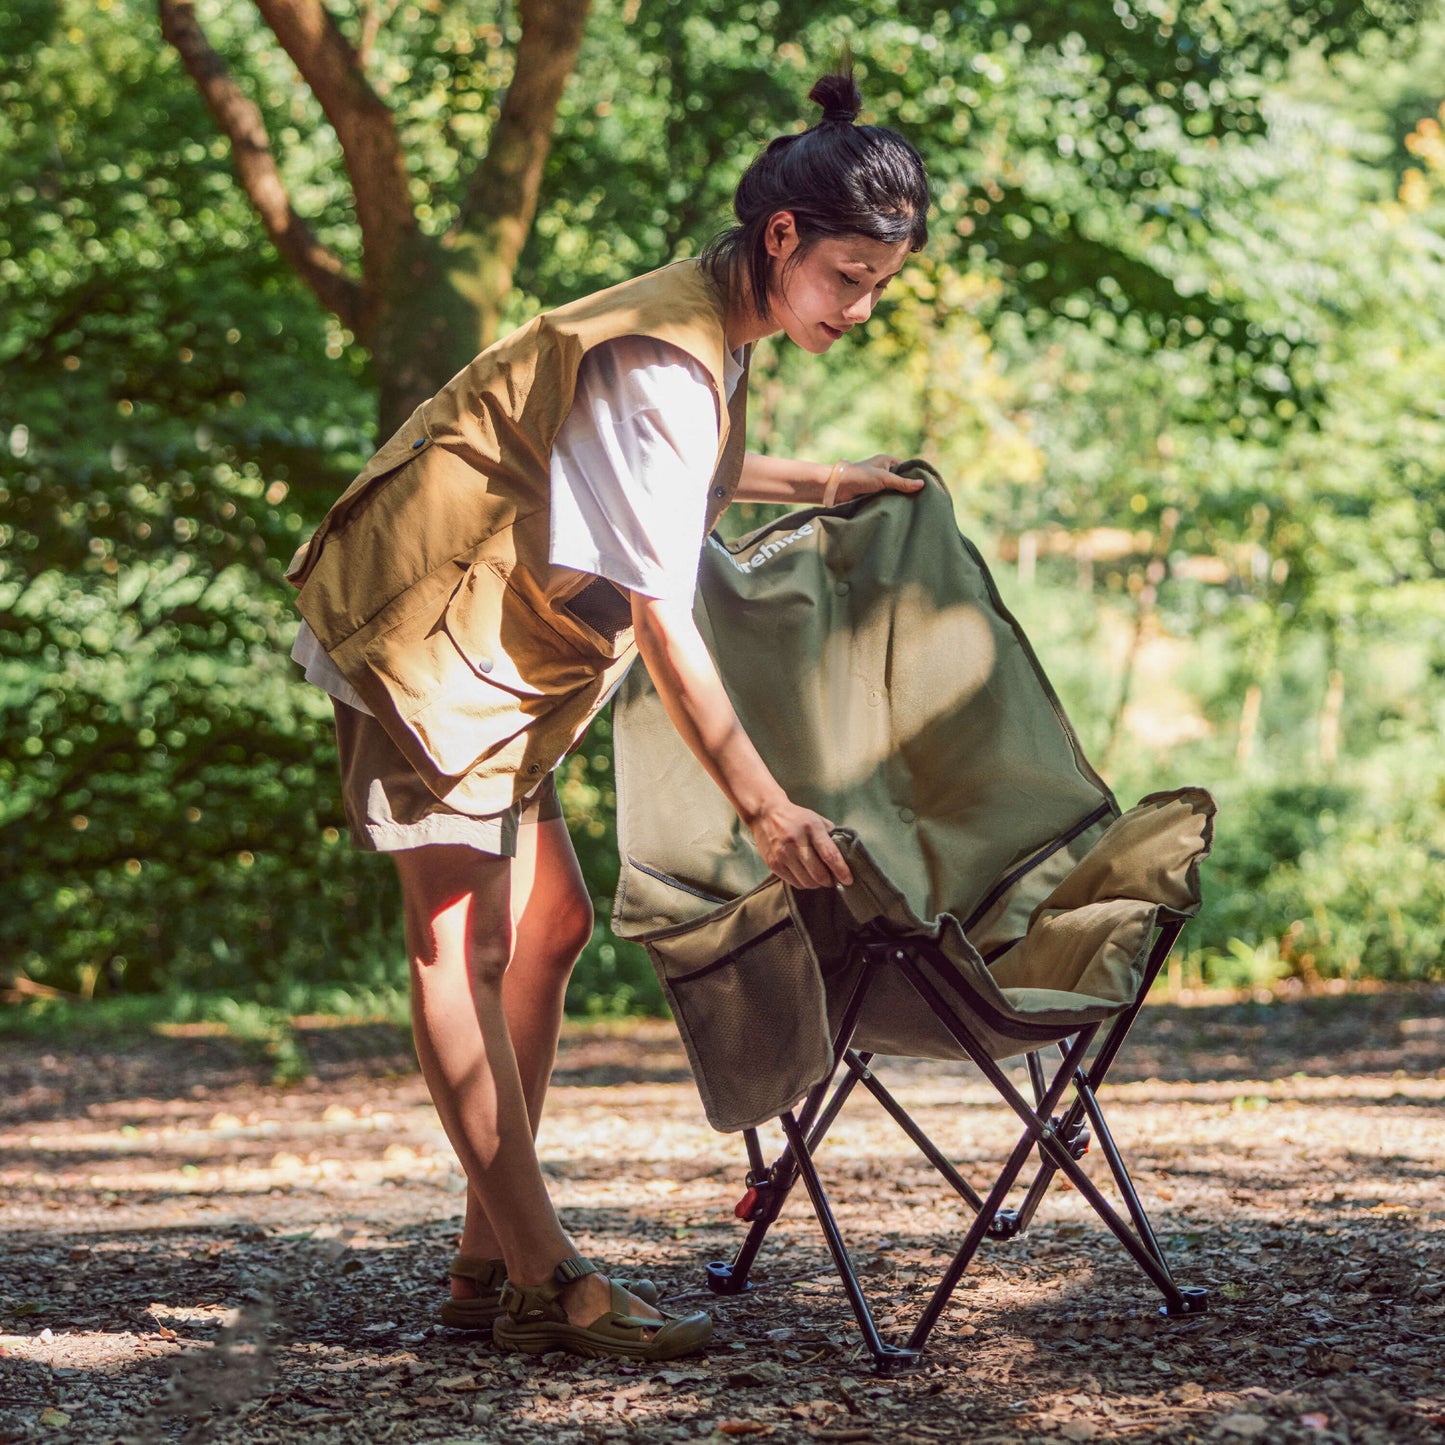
1184	284
1321	869
1361	898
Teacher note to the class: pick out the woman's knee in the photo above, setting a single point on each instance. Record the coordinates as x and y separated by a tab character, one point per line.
491	945
551	943
469	962
572	927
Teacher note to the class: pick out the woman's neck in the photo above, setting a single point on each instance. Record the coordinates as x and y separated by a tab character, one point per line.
741	323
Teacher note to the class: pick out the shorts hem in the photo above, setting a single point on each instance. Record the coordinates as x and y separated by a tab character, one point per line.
428	832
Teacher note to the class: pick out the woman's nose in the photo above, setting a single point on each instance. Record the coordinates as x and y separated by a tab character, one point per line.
859	310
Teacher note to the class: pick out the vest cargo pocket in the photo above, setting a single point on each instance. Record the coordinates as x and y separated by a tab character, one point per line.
748	998
506	642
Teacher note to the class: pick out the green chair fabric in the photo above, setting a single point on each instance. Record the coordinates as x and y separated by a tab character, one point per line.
872	661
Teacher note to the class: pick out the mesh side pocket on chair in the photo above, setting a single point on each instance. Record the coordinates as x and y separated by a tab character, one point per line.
745	989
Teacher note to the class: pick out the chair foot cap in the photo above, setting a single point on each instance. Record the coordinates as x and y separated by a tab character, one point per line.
722	1279
1191	1302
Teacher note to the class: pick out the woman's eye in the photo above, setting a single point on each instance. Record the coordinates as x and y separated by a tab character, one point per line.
847	279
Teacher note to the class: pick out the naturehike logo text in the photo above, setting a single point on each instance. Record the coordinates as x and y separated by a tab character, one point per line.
770	549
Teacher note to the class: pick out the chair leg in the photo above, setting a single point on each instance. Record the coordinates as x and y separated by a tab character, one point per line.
1143	1247
887	1359
1178	1301
901	1117
1068	1127
771	1187
1036	1133
1122	1180
1038	1130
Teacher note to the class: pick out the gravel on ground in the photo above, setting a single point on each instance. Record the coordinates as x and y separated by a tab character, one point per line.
192	1253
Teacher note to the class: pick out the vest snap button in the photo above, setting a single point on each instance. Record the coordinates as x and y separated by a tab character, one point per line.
907	814
535	768
418	444
719	491
841	588
484	664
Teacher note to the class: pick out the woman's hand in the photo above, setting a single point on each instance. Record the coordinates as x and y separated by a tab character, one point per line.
796	845
861	479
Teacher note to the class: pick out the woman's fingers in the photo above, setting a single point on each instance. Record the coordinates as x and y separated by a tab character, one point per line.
831	857
876	474
806	855
813	871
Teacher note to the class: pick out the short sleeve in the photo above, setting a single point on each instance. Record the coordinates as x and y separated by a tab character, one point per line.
631	465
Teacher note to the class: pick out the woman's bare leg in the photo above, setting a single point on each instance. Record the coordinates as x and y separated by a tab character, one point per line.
462	940
459	935
552	921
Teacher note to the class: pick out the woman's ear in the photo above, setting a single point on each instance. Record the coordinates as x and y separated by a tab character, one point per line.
781	235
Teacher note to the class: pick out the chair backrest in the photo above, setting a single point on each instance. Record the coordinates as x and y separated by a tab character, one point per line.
872	662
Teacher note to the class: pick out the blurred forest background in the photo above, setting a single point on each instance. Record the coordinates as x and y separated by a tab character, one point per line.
1178	344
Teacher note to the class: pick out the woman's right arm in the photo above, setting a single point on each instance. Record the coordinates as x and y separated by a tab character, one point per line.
794	841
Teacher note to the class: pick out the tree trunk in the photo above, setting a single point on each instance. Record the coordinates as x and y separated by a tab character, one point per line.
423	305
441	307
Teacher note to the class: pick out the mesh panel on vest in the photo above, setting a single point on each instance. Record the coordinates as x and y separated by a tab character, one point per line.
603	607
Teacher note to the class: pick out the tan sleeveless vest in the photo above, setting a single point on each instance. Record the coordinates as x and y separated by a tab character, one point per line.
428	583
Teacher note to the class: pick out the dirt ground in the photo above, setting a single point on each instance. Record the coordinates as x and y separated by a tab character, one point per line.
193	1254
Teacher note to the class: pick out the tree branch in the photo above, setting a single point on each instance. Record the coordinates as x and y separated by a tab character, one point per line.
502	197
364	126
240	120
372	21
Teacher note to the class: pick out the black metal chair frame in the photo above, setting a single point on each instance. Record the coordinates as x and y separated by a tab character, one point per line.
1059	1139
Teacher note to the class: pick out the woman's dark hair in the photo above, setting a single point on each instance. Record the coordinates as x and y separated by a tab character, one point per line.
837	179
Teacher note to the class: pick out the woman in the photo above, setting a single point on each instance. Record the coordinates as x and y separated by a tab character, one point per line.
480	588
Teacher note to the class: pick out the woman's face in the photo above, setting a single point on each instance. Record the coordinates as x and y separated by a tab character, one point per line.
831	287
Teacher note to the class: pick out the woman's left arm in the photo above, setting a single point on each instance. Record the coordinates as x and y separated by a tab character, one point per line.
795	483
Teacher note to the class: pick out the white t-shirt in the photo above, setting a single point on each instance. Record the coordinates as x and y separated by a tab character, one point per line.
631	466
630	470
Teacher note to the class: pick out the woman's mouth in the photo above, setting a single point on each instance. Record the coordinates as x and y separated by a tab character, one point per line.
834	331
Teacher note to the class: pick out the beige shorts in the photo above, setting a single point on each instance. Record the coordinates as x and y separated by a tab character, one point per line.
389	808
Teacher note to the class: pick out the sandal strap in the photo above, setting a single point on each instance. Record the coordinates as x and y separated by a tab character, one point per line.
574	1268
622	1318
541	1301
487	1272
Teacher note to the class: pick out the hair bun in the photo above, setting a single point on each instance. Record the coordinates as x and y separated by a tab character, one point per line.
839	96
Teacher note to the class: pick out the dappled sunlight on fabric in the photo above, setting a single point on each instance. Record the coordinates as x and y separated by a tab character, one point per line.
941	661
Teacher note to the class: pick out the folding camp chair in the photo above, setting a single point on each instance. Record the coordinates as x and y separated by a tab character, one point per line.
1001	904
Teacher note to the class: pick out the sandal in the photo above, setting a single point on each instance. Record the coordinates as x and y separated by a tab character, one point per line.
533	1321
477	1313
489	1275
